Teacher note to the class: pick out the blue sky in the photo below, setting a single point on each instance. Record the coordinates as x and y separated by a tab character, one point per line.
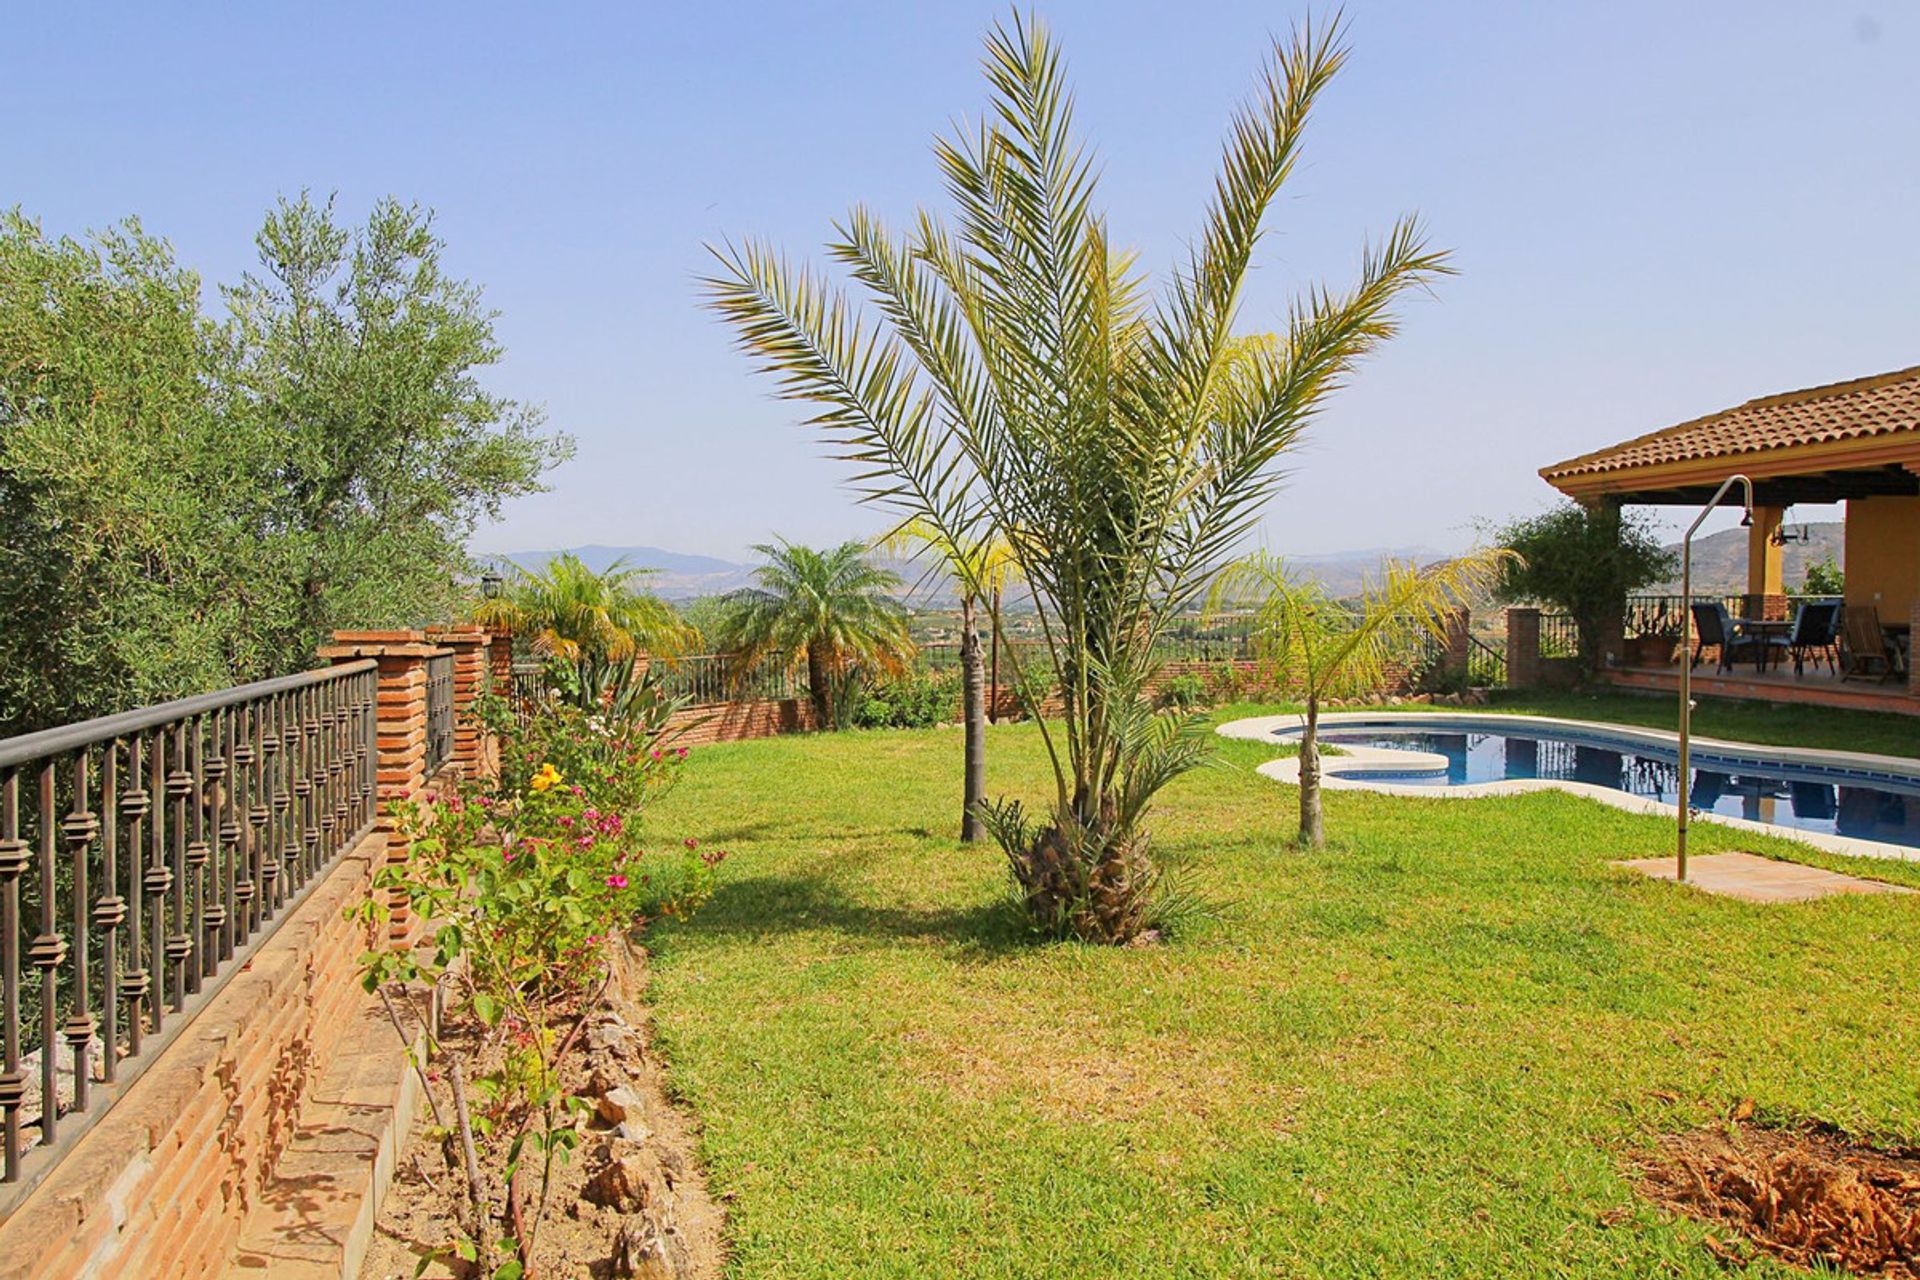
1657	209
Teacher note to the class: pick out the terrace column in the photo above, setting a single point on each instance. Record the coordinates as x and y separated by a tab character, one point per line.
1523	648
1766	590
400	733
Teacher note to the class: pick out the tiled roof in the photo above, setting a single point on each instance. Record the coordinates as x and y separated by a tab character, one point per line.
1884	404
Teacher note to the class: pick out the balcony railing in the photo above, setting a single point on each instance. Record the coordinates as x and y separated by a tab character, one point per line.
143	858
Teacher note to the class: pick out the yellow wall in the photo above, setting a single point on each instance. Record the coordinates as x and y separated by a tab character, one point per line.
1883	555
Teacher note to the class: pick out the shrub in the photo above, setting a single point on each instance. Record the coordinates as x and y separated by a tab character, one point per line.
523	879
1186	692
917	701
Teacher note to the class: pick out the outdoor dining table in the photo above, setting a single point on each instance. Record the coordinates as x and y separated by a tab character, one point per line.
1763	630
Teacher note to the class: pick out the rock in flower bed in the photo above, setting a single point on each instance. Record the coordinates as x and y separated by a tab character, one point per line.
629	1202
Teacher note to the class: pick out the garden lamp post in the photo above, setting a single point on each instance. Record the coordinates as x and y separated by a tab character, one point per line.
1686	646
490	583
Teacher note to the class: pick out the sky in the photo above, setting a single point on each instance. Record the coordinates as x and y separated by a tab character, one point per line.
1657	210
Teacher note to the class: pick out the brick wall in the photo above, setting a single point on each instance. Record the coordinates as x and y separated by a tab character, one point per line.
159	1188
163	1185
738	721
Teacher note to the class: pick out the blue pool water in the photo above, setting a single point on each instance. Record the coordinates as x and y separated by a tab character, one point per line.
1839	801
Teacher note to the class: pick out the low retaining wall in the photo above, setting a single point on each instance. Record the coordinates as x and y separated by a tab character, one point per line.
738	721
161	1186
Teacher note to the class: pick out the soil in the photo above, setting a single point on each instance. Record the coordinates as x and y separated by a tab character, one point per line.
1811	1196
631	1201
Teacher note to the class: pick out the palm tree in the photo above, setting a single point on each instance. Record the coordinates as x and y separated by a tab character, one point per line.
570	613
1019	383
1328	648
990	563
833	609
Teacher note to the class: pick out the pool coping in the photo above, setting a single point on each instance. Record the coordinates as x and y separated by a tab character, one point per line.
1350	770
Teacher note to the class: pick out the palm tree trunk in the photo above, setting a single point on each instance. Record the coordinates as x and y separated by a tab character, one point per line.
819	688
1313	833
973	699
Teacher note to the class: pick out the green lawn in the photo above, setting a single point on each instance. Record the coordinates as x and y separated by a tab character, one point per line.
1433	1050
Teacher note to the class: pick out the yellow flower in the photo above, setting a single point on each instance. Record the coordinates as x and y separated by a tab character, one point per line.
545	778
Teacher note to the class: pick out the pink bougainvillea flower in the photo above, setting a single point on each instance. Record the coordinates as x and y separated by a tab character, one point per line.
683	753
617	881
691	843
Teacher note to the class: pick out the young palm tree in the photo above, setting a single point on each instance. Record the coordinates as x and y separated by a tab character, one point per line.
1328	648
833	609
990	563
1018	383
569	612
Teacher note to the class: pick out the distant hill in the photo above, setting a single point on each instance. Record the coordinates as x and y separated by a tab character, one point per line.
1720	559
675	575
680	576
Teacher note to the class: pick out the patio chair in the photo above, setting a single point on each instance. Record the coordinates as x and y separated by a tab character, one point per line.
1715	626
1816	632
1867	646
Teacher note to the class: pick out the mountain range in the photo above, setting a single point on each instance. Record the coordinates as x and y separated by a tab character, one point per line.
1719	565
675	575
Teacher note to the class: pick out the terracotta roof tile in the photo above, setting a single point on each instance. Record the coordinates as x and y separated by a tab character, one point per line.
1884	404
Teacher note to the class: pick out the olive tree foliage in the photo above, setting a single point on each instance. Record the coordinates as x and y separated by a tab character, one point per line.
1016	379
190	498
1583	560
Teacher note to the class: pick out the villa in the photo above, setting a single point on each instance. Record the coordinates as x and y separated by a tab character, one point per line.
1856	442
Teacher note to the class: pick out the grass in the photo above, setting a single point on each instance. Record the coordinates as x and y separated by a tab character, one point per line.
1434	1049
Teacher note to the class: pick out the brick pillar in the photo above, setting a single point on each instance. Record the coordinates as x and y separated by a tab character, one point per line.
1523	648
1459	643
401	731
472	647
1913	648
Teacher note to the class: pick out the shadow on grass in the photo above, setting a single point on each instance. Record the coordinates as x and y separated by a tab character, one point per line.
765	905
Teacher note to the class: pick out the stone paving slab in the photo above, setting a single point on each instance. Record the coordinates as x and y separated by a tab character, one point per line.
1755	879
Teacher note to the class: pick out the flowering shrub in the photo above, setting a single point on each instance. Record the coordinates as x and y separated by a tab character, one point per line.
524	878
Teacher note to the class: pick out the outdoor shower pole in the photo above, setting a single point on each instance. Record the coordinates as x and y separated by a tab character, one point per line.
1686	646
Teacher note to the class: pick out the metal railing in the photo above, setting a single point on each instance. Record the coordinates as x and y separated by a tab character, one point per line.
143	857
439	710
1559	636
708	678
1486	664
1659	615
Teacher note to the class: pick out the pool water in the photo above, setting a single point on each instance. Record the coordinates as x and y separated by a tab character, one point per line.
1835	801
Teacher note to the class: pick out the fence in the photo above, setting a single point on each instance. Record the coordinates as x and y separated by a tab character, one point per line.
1486	664
709	678
1559	636
439	710
1659	616
153	852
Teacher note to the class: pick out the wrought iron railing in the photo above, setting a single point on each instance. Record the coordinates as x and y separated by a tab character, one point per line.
143	857
1659	615
1559	636
709	678
1486	664
439	710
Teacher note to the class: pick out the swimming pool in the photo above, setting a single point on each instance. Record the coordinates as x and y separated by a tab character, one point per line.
1838	797
1807	799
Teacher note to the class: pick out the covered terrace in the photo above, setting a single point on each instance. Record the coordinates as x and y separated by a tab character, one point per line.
1855	442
